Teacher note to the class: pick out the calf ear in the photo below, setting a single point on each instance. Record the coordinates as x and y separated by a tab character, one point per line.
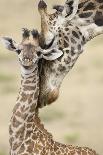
9	43
52	54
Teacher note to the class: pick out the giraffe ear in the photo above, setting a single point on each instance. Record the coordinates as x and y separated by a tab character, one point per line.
52	54
71	8
59	8
9	43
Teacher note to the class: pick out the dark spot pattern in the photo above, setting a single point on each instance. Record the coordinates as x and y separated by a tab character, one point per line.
66	38
65	44
70	8
61	68
67	51
16	123
60	35
98	18
73	41
85	15
66	29
101	7
82	4
79	47
90	6
75	34
99	1
83	39
67	60
72	51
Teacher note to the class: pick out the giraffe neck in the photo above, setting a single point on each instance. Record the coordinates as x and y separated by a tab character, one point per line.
25	113
28	94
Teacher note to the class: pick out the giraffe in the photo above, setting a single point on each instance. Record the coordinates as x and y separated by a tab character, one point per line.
27	134
68	29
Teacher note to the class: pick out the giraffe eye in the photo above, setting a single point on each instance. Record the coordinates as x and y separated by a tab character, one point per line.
18	51
38	54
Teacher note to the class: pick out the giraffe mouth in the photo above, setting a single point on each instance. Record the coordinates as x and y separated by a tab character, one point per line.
27	62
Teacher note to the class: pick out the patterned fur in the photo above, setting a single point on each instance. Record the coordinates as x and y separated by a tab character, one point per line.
71	34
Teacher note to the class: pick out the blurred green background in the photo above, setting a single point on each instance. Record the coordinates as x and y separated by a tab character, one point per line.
77	116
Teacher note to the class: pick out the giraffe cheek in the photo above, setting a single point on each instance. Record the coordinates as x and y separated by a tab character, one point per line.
52	96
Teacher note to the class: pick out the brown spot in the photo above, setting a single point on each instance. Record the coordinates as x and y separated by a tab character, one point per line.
30	77
67	39
90	6
66	29
15	122
29	125
72	152
73	41
99	1
65	44
28	142
54	23
85	15
18	114
27	81
75	34
82	4
72	51
28	88
84	152
22	109
36	94
30	119
83	39
61	68
79	47
16	145
20	133
101	7
11	141
30	147
67	60
28	134
34	137
30	97
23	97
10	130
32	108
60	35
38	147
22	149
67	51
52	153
98	18
16	107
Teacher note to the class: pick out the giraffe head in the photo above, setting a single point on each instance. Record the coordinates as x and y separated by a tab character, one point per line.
51	19
58	17
28	50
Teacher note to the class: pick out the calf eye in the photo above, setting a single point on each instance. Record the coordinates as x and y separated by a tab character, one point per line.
38	54
18	51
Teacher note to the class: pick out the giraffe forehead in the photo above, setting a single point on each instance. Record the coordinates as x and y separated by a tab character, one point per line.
29	48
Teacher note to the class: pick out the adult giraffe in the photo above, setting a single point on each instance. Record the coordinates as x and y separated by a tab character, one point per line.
68	29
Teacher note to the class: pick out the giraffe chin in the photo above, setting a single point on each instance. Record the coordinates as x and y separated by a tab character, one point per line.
48	97
53	96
